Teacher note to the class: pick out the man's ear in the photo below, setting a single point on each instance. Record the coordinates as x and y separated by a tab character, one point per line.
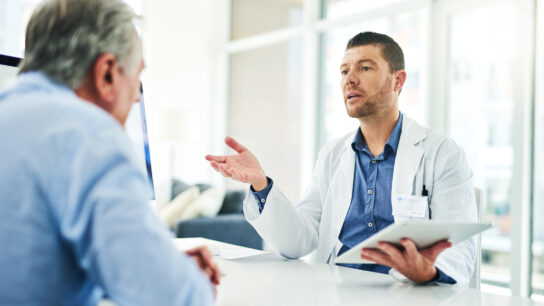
105	73
400	79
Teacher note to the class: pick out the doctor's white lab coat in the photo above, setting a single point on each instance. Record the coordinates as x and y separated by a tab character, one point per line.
423	158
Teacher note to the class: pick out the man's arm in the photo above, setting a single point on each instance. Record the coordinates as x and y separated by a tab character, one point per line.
104	216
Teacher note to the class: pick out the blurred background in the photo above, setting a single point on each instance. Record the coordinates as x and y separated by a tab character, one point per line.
266	72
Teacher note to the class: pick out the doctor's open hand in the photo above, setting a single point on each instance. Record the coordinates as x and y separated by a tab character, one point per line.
243	167
418	266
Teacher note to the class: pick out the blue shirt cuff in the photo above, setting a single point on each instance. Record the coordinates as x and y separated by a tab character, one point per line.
261	196
443	278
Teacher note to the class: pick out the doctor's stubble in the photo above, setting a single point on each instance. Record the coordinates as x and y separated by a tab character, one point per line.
370	105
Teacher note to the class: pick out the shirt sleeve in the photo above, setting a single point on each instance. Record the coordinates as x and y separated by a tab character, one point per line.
261	196
105	217
443	278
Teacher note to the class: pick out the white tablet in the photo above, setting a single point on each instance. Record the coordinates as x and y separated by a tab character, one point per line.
423	232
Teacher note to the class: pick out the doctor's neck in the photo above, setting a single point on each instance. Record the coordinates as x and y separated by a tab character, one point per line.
377	128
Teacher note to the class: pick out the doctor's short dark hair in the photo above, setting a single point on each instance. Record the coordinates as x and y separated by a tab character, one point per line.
391	51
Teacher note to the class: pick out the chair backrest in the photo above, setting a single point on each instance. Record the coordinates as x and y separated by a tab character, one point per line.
475	280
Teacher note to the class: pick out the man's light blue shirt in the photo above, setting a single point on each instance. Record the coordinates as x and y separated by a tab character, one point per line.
75	221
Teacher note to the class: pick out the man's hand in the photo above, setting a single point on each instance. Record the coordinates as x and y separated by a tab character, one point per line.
417	266
243	167
204	259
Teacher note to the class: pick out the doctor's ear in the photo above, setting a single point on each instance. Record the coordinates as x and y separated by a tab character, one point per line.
399	79
105	70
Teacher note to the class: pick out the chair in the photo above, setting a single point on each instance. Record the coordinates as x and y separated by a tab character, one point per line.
475	280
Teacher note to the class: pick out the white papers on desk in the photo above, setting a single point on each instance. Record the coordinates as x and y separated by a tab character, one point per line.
237	253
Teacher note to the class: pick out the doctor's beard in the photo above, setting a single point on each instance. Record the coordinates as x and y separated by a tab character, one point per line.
371	105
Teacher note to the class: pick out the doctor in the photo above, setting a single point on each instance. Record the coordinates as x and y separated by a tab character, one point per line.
389	169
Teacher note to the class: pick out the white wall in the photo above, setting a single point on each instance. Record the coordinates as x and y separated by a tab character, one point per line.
181	45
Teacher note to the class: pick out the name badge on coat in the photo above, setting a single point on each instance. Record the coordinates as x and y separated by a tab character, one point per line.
407	205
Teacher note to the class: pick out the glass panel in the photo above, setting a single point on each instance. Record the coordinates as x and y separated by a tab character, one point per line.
409	31
14	16
538	200
337	8
481	101
264	110
250	17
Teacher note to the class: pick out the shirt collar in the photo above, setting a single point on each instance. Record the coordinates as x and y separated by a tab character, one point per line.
358	143
38	80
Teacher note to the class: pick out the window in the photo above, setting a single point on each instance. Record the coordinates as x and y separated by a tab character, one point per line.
250	17
339	8
538	207
481	101
14	15
265	110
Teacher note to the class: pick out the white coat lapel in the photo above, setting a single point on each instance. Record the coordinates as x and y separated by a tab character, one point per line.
342	186
408	157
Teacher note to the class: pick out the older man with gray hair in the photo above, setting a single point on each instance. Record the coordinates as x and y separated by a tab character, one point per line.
75	223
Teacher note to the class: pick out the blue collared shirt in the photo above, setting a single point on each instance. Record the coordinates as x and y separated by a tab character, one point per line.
75	221
370	210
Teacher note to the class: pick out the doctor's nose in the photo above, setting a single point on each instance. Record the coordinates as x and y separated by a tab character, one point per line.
351	79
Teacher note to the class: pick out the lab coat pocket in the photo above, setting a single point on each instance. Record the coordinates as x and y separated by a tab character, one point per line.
407	206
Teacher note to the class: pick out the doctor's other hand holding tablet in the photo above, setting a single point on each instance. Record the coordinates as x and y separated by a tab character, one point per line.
418	266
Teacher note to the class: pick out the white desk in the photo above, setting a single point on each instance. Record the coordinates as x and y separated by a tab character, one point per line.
268	279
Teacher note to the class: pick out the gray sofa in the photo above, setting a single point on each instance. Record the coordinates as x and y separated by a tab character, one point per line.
228	226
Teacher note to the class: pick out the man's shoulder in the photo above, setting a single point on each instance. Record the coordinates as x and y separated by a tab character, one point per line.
56	122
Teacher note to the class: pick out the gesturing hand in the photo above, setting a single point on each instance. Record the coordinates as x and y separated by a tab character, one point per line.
243	167
417	266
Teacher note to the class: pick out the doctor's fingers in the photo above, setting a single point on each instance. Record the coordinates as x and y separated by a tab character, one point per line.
395	254
411	253
217	168
216	158
378	257
223	170
235	145
435	250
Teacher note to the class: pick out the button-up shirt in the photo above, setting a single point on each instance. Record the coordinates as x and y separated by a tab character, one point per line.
370	209
75	221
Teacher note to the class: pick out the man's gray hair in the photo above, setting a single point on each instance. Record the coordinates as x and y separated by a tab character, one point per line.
65	37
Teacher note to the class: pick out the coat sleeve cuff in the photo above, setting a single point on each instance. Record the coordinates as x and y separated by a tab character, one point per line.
261	196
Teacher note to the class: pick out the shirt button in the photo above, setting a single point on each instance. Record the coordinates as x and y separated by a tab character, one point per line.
373	161
369	191
369	224
262	200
